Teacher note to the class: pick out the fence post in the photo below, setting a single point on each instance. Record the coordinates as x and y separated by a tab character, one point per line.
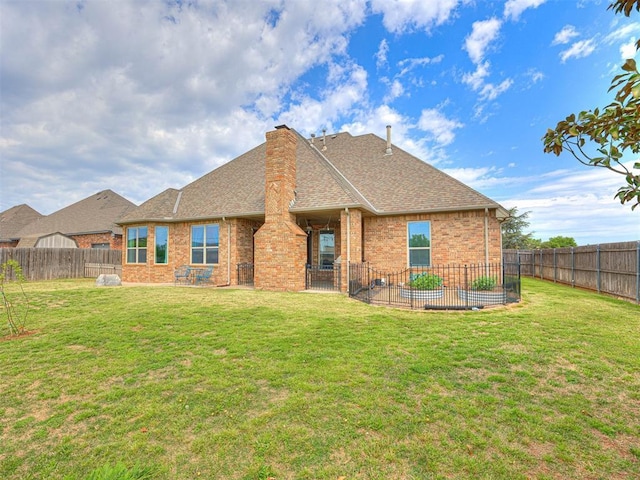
555	267
466	285
573	268
541	266
598	267
638	272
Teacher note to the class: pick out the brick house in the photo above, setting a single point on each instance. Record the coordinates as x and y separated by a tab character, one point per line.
293	202
89	223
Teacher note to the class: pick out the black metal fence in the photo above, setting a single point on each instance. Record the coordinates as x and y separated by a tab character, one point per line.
245	274
317	277
444	287
322	277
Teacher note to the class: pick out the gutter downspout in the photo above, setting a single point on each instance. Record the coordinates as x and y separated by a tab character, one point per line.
228	251
224	219
486	240
346	210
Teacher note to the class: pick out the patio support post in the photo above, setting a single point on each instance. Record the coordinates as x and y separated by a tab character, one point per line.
351	242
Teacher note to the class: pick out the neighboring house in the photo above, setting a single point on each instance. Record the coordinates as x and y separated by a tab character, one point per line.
89	223
291	202
13	220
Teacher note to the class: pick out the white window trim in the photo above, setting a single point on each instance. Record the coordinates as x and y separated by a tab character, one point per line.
137	248
155	244
429	248
204	247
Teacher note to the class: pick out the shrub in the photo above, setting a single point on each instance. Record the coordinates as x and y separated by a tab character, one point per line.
484	283
426	281
16	308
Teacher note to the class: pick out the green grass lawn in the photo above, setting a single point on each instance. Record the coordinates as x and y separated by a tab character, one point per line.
184	383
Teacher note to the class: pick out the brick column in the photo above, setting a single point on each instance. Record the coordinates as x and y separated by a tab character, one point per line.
280	244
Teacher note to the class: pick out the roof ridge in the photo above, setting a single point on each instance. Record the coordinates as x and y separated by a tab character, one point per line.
342	179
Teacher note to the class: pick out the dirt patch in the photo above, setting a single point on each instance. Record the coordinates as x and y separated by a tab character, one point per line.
620	444
23	334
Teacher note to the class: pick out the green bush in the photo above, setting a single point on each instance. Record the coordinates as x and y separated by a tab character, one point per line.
484	283
426	281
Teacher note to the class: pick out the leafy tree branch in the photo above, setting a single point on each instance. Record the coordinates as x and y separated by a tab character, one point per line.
613	131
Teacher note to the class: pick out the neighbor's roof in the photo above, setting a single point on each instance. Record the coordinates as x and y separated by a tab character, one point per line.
15	219
94	214
353	172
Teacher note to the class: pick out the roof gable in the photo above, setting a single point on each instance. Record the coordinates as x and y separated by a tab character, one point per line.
15	219
398	182
93	214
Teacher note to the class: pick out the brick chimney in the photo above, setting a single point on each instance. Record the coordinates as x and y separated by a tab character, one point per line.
280	244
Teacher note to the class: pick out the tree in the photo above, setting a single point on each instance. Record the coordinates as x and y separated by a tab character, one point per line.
559	242
513	235
611	132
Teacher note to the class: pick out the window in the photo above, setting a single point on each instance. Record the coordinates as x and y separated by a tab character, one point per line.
137	245
204	244
327	249
419	244
162	244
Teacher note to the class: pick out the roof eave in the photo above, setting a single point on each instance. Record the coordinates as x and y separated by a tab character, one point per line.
337	207
439	209
191	219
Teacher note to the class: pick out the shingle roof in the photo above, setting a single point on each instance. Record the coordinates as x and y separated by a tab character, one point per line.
15	219
398	182
94	214
350	172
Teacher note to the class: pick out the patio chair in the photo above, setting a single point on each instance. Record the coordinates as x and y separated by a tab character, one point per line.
181	274
203	275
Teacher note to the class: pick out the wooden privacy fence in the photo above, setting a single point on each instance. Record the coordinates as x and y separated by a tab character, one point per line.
52	263
612	268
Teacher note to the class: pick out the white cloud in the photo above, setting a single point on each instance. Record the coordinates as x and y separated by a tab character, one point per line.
409	64
578	203
476	79
628	50
381	54
580	49
487	91
403	15
482	34
535	75
376	120
514	8
127	89
622	33
440	127
565	35
341	95
395	90
476	177
490	91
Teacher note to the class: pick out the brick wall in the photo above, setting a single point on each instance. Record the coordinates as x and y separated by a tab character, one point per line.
179	254
242	232
456	238
85	241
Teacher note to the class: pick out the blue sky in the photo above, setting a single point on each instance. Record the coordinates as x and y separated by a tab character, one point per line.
139	96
